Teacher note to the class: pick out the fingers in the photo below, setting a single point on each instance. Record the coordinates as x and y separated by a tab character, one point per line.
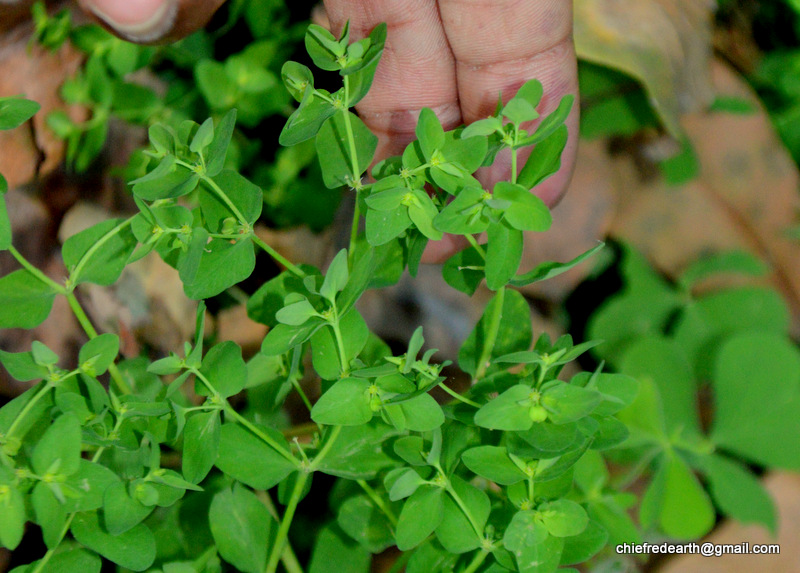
416	70
500	44
151	21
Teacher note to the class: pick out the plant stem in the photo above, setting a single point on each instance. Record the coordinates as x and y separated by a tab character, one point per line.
334	434
286	522
296	384
277	256
340	346
36	272
378	501
225	199
257	431
476	562
28	407
513	165
491	336
354	232
76	272
476	246
530	488
350	138
288	558
87	326
458	396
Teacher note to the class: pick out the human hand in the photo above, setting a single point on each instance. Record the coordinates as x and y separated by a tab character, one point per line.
455	57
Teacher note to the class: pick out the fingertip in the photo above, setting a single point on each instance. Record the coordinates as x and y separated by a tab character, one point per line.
140	21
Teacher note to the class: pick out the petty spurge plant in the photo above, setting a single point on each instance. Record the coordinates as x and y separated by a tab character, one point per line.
507	476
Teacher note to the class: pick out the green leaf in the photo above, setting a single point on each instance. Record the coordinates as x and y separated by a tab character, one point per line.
336	277
224	367
567	403
547	270
582	547
503	255
334	551
135	549
551	122
518	110
201	437
297	313
104	250
14	111
464	271
429	132
492	463
618	391
422	212
282	338
402	483
50	513
241	527
296	77
25	301
98	354
218	150
563	518
383	226
245	196
203	136
662	361
463	215
704	325
755	383
325	354
513	335
683	508
509	411
422	413
121	512
455	532
524	530
421	515
263	304
346	403
738	493
248	459
221	266
527	212
12	526
545	160
59	450
166	181
308	118
363	521
334	152
359	452
21	366
75	559
323	47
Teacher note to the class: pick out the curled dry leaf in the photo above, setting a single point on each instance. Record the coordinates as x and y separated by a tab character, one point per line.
665	44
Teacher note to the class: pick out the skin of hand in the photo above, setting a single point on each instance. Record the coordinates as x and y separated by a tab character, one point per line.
453	56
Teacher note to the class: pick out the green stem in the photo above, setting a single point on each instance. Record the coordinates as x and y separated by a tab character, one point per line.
87	326
476	246
225	199
28	407
75	275
476	562
257	431
460	502
458	396
340	346
277	256
530	488
354	232
513	165
491	336
286	522
325	448
351	140
36	272
299	390
288	558
378	501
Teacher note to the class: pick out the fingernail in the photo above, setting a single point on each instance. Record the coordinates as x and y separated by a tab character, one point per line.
137	20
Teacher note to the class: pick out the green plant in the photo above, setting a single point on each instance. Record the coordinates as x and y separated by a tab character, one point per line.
680	343
506	476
